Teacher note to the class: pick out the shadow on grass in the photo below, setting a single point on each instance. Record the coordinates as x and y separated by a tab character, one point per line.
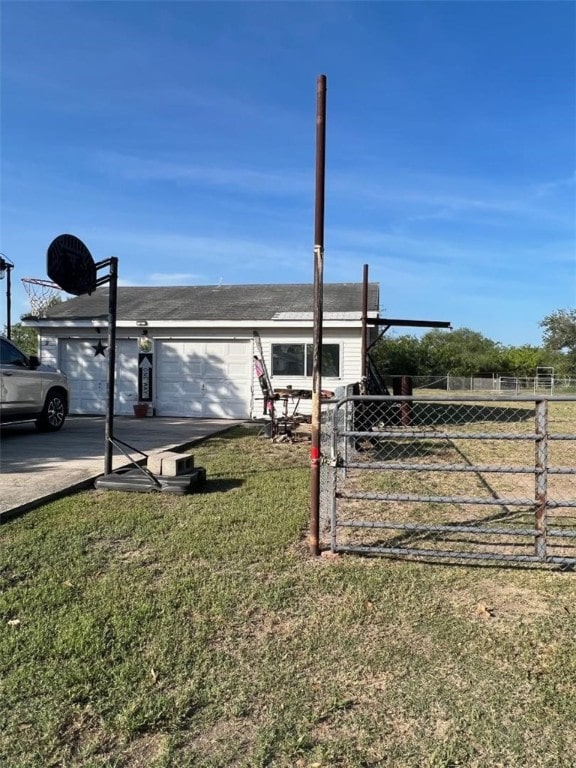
451	544
456	413
221	485
392	450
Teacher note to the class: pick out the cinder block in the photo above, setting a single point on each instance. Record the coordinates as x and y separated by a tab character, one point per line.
170	463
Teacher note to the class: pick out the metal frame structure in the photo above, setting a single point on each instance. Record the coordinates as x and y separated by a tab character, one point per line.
368	369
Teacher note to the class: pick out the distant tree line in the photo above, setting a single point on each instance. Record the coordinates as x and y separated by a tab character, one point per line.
464	352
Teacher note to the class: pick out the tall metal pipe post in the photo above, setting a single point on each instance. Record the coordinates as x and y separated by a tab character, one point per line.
314	537
364	341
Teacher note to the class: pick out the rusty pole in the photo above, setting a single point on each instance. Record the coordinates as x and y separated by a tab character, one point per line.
363	352
314	538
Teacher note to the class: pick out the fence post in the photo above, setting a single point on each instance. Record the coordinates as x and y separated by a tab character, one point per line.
406	405
333	468
541	478
402	386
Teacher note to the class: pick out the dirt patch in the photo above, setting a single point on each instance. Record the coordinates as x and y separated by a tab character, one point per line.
146	749
142	553
488	601
121	549
83	732
229	738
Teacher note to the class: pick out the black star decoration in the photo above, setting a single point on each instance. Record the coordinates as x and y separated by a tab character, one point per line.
99	349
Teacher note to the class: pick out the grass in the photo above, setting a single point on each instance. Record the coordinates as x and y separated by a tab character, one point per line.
150	630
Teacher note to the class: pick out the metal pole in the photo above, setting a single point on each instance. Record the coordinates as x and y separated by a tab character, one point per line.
363	360
112	306
8	302
314	540
541	479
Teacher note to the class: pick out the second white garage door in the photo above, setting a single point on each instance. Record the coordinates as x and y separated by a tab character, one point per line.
205	379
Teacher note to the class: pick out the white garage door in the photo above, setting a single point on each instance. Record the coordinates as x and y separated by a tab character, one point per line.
88	374
209	379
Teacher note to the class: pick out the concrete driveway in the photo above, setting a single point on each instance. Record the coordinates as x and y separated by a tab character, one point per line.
37	467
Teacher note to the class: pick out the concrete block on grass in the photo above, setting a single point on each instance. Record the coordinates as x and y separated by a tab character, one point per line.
170	463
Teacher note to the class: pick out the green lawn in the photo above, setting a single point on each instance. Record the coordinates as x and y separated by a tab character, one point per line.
147	630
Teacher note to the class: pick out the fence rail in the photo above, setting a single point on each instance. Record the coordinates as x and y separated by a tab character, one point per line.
482	477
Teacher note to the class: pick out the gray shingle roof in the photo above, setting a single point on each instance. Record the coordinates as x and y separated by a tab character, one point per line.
213	302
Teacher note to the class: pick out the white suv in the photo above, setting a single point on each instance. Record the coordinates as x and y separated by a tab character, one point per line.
30	391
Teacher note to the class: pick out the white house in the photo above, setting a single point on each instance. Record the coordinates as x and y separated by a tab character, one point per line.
200	342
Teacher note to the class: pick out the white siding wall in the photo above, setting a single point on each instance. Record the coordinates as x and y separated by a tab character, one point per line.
350	360
348	338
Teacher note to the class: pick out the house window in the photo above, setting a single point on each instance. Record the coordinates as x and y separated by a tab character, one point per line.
296	360
330	360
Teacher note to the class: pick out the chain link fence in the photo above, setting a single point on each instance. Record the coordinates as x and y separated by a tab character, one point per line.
496	383
485	478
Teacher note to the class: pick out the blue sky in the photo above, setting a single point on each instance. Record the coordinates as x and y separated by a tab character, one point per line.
180	137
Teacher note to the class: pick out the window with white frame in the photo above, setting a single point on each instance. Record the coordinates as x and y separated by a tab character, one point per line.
296	360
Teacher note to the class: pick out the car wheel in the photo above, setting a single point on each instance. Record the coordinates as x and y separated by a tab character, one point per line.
53	414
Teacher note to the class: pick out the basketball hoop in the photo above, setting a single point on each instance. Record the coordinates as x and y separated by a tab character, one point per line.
41	294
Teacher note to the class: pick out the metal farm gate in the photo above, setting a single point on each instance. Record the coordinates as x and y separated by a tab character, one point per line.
476	478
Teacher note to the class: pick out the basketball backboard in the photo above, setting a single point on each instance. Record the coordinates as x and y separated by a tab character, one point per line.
70	265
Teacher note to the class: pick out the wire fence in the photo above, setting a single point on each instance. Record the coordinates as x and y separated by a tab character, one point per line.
496	383
481	477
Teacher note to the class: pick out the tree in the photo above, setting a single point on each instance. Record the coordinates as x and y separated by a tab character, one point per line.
523	361
560	330
560	335
25	338
563	364
397	355
461	352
